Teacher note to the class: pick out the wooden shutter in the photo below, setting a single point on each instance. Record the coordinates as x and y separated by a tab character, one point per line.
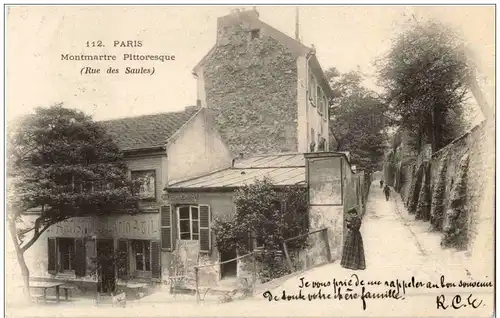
205	235
90	255
167	237
80	260
52	256
155	260
123	262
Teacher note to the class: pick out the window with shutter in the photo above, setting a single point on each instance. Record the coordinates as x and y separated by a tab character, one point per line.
141	250
155	260
166	228
188	222
66	251
205	235
123	263
80	263
52	255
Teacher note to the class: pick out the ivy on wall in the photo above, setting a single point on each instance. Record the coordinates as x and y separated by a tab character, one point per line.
455	230
424	197
415	190
438	196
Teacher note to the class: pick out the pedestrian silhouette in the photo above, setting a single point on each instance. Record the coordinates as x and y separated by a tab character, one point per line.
387	192
353	253
381	184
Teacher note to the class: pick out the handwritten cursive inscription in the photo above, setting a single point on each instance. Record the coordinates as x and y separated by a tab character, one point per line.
354	288
457	302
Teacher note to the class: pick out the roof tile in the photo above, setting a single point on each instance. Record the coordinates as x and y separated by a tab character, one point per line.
147	131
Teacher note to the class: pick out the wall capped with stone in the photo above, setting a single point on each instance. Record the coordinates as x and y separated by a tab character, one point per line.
251	89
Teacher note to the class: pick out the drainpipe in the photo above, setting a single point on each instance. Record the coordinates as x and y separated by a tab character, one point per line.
308	128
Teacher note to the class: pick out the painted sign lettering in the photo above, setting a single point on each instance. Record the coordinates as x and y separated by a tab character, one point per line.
124	226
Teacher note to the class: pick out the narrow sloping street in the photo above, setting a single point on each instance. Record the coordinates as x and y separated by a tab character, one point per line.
396	248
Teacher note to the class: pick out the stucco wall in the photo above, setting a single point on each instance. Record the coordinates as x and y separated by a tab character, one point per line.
197	149
251	87
331	217
157	163
221	204
143	226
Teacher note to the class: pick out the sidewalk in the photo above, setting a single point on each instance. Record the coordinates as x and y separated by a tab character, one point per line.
446	260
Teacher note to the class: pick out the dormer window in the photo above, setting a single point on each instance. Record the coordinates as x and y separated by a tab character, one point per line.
255	34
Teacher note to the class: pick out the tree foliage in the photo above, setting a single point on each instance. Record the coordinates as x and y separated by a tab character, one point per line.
64	164
425	75
269	216
358	120
61	164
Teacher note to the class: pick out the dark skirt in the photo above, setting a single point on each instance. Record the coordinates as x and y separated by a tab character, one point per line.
353	254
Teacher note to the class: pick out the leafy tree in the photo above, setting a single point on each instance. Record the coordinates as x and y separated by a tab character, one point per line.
63	165
426	74
358	119
268	215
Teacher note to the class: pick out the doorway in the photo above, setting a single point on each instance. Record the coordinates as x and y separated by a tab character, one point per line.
228	269
106	266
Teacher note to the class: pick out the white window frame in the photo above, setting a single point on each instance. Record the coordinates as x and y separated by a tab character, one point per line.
134	255
190	222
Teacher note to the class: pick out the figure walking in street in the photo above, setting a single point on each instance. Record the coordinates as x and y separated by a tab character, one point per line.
353	254
387	192
381	183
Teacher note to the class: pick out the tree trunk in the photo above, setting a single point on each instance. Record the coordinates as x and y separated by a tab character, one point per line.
20	258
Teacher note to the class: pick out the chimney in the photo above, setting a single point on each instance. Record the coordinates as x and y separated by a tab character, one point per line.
198	103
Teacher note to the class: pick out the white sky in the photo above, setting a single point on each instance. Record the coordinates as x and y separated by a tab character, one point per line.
344	36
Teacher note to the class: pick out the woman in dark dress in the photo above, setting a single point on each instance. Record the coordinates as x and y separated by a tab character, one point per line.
353	254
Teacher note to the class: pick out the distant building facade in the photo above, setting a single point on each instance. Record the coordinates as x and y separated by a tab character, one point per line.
266	90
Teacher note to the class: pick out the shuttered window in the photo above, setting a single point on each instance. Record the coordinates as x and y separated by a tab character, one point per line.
188	217
52	255
155	260
167	241
67	254
205	233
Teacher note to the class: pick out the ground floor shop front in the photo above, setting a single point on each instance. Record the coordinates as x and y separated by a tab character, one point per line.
99	253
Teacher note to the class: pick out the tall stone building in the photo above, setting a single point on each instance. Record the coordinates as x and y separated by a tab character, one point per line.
266	90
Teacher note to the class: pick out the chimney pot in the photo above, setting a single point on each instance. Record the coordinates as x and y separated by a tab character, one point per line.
198	103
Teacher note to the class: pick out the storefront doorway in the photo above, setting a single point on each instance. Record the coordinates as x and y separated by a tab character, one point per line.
106	265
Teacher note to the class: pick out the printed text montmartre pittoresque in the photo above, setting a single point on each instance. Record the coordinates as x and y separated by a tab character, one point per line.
112	57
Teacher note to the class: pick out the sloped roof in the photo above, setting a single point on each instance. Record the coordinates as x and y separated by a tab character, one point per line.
282	169
147	131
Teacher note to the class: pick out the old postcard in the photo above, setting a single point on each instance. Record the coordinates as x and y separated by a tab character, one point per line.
234	160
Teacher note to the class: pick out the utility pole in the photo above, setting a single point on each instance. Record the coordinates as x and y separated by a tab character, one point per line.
297	26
